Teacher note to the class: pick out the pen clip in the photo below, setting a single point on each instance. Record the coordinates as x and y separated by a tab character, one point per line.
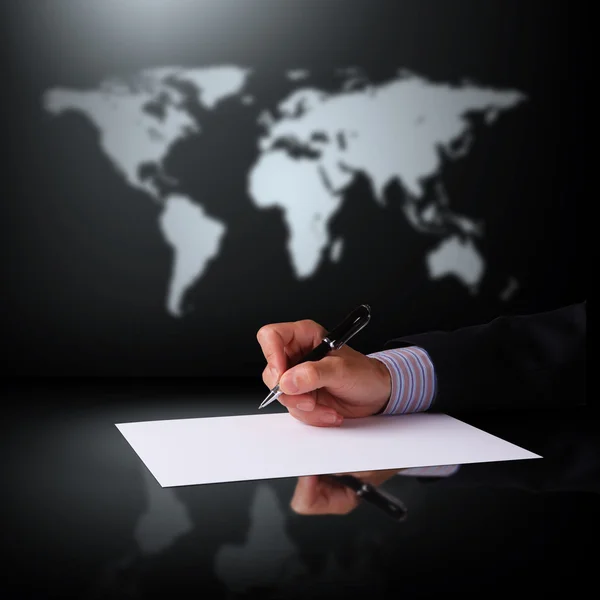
350	326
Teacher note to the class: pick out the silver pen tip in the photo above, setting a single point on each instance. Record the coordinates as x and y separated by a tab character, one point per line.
272	396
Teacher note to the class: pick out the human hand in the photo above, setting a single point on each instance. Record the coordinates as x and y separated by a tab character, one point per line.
345	383
315	495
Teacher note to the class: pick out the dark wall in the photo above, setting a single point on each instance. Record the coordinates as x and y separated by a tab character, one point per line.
84	265
85	268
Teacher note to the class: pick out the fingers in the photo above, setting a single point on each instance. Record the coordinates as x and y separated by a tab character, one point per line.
270	376
376	477
304	406
320	416
305	495
279	341
315	496
328	372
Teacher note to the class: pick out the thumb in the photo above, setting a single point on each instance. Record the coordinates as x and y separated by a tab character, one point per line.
309	376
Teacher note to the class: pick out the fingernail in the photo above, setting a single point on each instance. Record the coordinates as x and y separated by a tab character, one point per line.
306	405
289	384
331	419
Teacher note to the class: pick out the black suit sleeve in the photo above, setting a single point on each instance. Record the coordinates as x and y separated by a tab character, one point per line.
528	361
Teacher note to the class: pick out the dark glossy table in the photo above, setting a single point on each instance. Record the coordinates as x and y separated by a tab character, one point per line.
85	519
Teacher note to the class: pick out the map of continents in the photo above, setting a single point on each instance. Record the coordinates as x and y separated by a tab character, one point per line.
310	152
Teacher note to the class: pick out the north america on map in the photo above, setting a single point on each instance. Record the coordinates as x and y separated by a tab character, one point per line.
313	146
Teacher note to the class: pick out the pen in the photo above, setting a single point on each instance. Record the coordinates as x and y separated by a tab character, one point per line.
333	340
389	504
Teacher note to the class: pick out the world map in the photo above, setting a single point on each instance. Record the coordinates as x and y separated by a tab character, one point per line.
312	148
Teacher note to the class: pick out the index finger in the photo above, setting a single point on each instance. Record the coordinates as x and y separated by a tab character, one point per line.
282	341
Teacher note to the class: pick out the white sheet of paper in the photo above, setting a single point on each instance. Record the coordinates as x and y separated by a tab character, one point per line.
250	447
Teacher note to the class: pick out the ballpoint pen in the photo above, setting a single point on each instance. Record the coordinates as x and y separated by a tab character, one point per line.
333	340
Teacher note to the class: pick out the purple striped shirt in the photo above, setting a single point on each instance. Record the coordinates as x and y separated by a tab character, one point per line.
441	471
414	387
413	379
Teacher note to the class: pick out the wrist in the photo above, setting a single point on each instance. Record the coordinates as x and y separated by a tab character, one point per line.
385	379
413	379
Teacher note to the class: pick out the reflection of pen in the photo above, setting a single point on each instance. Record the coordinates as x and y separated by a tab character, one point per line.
333	340
389	504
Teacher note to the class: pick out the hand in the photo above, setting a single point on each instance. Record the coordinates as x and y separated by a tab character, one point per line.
316	496
345	383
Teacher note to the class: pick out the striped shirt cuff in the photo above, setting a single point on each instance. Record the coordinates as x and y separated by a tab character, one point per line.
441	471
413	379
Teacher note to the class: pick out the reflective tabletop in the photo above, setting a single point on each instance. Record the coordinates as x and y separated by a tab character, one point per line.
85	518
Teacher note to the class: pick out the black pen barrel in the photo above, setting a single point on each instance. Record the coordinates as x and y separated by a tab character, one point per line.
317	353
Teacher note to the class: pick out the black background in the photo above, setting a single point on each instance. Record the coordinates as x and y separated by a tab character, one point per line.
84	273
85	267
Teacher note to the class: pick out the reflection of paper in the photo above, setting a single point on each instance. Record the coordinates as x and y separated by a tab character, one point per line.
249	447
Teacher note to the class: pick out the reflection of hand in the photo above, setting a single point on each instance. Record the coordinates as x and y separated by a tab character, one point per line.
345	383
316	495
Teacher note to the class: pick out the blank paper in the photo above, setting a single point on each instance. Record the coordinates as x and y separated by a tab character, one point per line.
267	446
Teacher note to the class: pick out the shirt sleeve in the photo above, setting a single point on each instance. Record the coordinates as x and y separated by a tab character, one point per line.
441	471
413	379
413	390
